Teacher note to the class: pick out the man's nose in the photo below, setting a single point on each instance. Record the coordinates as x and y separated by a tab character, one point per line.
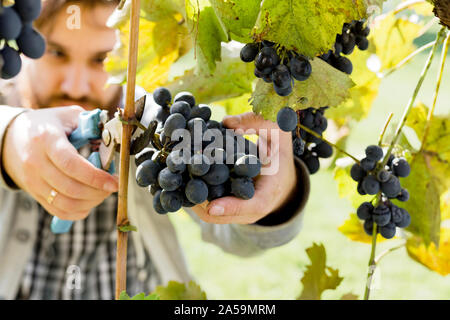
76	82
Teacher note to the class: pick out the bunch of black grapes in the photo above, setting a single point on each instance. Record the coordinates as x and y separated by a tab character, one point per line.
184	177
353	35
372	178
307	146
16	24
277	66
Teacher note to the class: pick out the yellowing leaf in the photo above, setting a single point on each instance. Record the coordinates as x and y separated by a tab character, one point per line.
318	277
347	188
423	8
237	105
156	10
432	257
326	86
354	230
306	26
180	291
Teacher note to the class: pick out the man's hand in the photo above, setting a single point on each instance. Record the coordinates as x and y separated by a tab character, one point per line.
272	191
39	158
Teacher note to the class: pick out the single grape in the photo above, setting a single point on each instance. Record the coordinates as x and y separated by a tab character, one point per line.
12	63
168	180
320	122
196	191
368	226
281	76
154	188
249	52
28	10
383	175
247	166
174	122
312	163
323	150
171	201
300	68
31	43
185	96
145	154
162	96
362	43
216	192
201	111
181	107
243	188
299	146
267	43
388	231
406	219
381	215
400	167
360	189
338	48
199	165
147	173
162	114
371	185
367	164
217	174
365	211
283	92
343	64
10	23
357	172
287	119
396	214
349	45
307	119
266	60
403	196
157	203
212	124
392	187
175	162
374	153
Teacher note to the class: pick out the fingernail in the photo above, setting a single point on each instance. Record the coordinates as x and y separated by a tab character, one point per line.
110	187
217	211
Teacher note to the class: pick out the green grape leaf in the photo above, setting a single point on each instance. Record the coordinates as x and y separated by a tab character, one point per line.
354	230
308	27
326	86
180	291
208	33
435	258
156	10
430	174
236	106
318	277
140	296
238	17
232	78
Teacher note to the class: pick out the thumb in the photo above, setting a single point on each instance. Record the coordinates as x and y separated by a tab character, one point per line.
69	117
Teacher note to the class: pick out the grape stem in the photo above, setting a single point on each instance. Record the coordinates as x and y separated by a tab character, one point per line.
380	139
328	142
436	91
414	96
408	58
122	207
386	252
372	263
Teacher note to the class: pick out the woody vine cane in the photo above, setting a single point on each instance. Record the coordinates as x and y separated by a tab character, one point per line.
122	211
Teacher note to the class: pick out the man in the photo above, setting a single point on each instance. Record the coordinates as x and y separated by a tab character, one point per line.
42	175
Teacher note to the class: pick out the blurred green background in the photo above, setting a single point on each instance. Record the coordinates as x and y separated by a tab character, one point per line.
276	274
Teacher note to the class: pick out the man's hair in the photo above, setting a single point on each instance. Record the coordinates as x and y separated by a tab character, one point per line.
51	7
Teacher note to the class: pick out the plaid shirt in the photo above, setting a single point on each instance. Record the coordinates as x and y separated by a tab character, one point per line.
81	264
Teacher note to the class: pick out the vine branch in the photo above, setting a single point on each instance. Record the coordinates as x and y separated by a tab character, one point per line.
436	91
372	263
122	209
414	96
383	132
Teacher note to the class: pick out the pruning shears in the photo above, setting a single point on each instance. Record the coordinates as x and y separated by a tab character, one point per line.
94	126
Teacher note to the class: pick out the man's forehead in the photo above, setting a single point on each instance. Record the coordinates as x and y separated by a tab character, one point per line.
84	27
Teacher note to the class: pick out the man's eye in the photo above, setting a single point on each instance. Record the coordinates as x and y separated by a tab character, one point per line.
99	60
56	53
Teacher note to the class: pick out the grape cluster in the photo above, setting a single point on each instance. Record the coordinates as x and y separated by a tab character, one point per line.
353	35
373	179
279	69
306	146
16	24
184	177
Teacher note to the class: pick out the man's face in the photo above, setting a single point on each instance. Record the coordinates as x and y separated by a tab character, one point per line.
71	71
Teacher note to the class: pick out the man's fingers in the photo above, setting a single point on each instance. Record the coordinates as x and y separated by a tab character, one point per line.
69	186
247	121
69	117
66	158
